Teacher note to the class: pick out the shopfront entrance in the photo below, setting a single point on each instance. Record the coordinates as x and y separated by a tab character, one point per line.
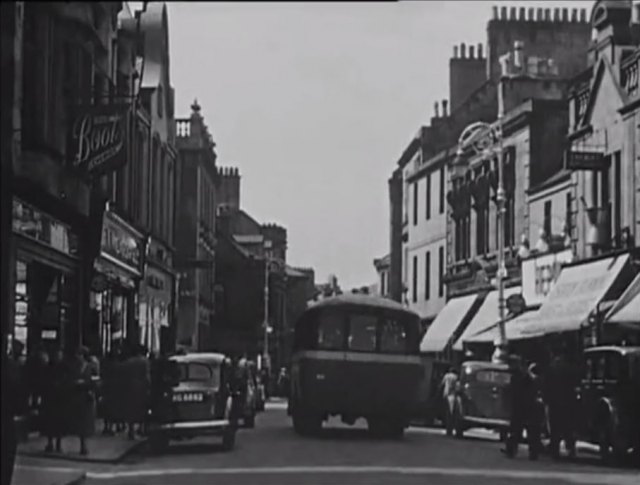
46	277
115	285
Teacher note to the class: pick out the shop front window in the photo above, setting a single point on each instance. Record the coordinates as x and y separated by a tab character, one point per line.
44	303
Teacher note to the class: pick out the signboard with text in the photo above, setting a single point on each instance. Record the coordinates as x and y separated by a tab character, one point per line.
577	160
540	273
119	243
96	141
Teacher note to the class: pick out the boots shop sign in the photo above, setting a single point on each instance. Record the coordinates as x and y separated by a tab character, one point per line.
97	139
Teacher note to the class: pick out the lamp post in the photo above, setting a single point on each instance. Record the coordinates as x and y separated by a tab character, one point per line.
265	350
486	139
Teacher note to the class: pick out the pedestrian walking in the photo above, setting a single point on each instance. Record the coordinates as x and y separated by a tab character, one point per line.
82	405
560	396
54	416
525	408
448	387
10	384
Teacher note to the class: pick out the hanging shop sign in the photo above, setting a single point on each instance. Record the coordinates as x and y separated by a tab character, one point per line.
96	143
578	160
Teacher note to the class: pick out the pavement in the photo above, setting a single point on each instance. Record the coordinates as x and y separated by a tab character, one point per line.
102	449
272	453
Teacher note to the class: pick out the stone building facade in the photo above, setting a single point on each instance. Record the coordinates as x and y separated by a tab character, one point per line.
195	231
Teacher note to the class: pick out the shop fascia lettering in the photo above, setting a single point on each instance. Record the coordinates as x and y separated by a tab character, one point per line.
116	242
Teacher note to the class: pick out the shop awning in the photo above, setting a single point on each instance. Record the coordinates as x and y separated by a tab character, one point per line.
487	315
575	295
626	311
446	323
516	329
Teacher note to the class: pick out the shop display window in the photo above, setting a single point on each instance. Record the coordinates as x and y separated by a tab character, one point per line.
44	303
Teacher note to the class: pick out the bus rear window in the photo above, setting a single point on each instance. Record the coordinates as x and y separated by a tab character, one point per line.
393	337
330	332
362	332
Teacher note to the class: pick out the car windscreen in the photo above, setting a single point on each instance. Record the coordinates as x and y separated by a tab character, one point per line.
197	372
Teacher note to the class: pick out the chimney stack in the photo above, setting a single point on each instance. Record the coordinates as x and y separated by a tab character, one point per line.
503	13
472	52
436	109
480	53
583	15
495	12
444	108
565	14
574	14
540	14
463	50
547	14
531	15
522	15
455	51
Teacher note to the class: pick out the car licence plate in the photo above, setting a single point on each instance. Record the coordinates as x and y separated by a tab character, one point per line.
188	397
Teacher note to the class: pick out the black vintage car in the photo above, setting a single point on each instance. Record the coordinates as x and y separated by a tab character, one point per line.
609	400
192	396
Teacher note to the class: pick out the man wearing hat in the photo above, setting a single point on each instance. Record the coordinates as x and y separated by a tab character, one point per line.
524	408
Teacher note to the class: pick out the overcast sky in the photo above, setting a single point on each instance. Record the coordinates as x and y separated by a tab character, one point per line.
314	103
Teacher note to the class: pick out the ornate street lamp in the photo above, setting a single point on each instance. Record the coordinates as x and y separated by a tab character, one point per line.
486	140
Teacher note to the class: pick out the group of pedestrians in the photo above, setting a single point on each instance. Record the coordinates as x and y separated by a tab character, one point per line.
56	390
64	394
536	398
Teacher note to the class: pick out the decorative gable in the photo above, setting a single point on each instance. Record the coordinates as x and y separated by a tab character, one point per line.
605	95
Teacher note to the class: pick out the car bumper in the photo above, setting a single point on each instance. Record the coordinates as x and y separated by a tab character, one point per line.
486	422
192	427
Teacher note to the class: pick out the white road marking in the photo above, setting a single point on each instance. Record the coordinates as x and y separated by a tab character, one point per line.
586	478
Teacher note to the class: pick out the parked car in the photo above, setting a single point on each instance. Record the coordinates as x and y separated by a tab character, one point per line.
483	397
192	396
609	400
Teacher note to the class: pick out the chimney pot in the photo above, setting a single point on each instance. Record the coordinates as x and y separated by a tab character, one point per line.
455	51
503	13
480	53
463	50
522	14
583	15
472	53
